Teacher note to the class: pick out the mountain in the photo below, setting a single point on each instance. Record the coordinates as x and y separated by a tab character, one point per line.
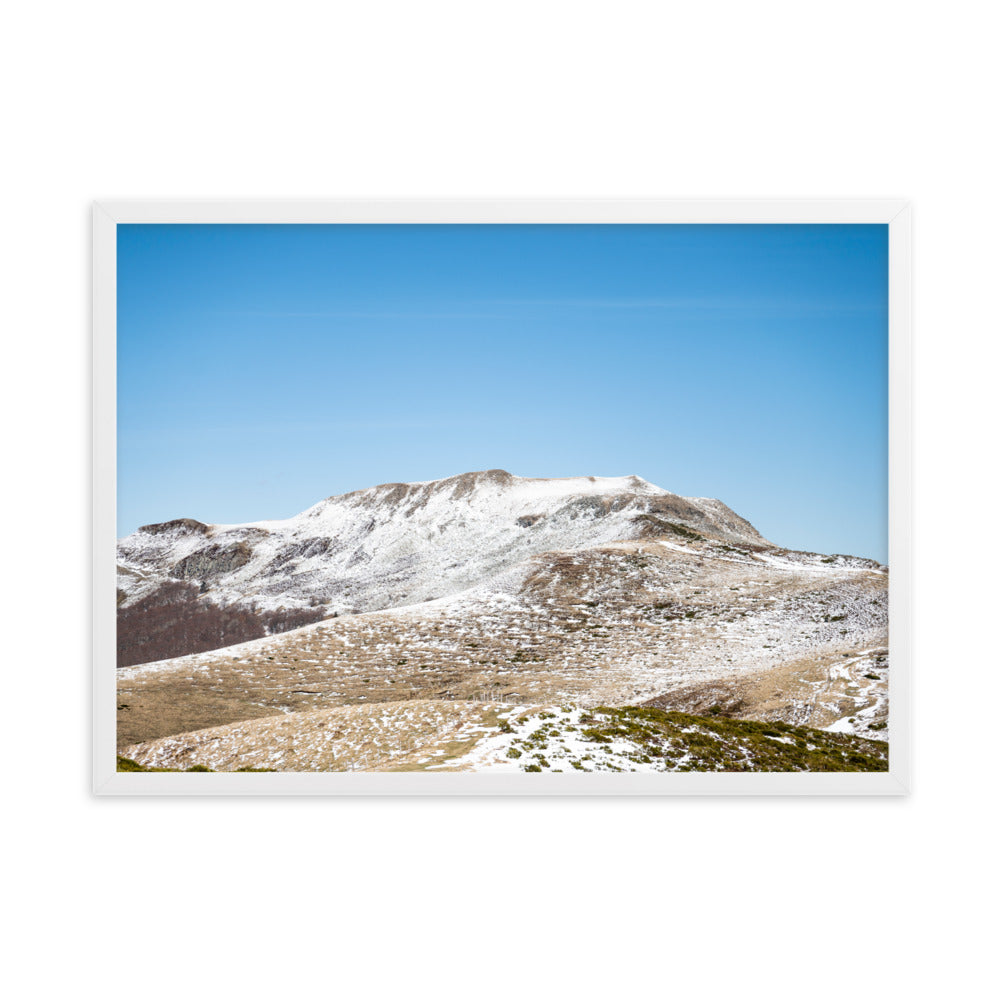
444	607
185	586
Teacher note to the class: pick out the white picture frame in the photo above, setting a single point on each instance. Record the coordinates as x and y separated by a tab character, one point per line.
107	215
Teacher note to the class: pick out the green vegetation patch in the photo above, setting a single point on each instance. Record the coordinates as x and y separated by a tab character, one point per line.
712	743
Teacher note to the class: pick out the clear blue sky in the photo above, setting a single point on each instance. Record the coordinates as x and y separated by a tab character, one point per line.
262	368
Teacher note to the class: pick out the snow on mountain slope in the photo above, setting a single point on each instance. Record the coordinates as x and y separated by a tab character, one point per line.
405	543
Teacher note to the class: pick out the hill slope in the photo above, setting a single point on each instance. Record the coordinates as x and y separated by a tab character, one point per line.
458	736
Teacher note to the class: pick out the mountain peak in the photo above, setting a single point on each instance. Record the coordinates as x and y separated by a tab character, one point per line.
503	479
400	544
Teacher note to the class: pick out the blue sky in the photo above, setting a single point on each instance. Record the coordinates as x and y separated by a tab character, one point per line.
262	368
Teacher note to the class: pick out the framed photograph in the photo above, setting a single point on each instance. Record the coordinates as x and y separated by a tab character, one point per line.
509	497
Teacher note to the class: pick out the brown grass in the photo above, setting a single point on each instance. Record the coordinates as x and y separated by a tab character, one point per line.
410	736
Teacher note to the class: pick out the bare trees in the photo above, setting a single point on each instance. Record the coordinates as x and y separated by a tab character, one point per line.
175	620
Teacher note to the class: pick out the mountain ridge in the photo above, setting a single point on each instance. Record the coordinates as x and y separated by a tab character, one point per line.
391	545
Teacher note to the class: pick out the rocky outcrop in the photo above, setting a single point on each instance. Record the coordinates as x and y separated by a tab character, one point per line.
180	526
212	562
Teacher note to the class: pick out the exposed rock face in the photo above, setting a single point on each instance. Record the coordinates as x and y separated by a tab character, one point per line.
212	562
182	525
305	549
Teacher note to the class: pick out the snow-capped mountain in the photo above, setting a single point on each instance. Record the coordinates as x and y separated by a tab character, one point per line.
402	543
483	589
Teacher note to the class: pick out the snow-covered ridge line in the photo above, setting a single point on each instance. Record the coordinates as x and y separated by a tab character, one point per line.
402	544
474	488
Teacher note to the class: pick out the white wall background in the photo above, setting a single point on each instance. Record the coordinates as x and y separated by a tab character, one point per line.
496	898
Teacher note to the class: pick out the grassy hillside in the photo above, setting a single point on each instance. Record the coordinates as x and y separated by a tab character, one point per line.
465	736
